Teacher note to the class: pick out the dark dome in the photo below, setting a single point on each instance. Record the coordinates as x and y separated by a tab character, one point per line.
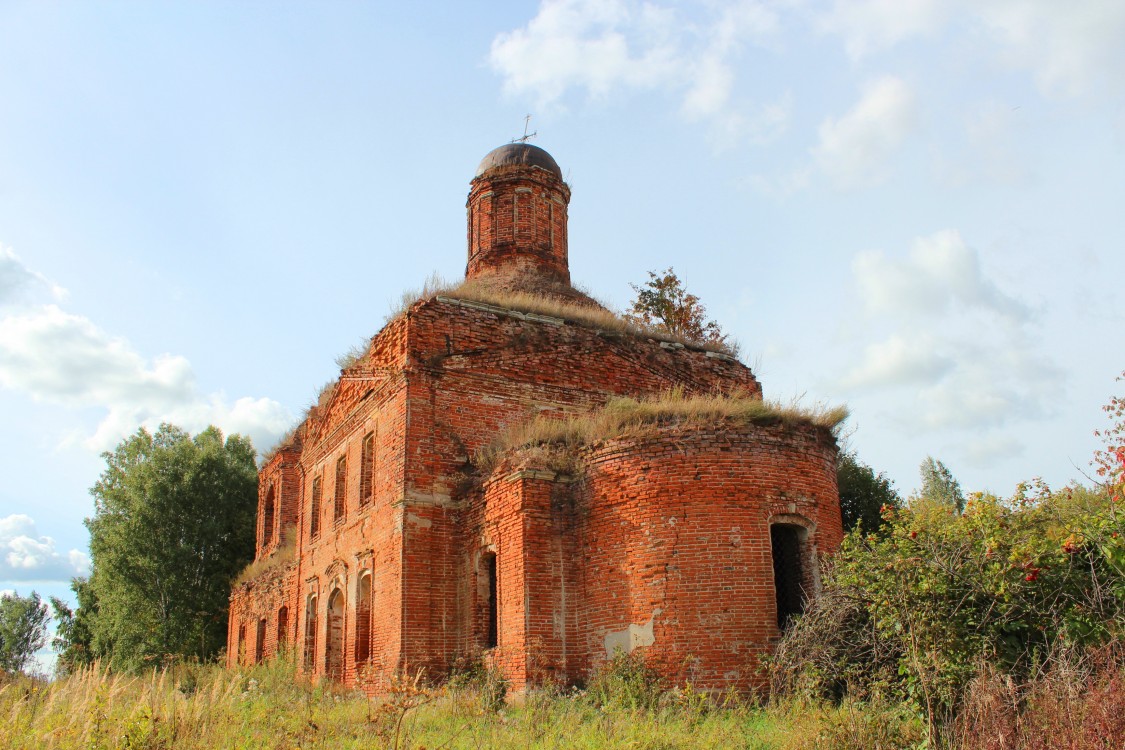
518	154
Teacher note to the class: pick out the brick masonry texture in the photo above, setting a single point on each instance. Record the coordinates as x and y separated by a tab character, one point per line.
384	545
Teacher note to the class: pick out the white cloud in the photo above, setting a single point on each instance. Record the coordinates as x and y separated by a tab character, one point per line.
871	25
62	358
263	420
784	185
603	46
711	88
941	272
56	356
987	450
855	150
761	126
987	155
993	385
25	555
1070	48
18	282
967	349
592	44
694	53
899	360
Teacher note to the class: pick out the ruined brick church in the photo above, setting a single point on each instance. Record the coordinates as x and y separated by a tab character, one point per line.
386	542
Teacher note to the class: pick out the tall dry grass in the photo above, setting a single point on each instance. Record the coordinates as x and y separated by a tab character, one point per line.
598	315
1075	700
191	706
285	553
637	416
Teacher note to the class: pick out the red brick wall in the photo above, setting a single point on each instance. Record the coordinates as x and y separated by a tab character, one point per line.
660	542
527	521
474	373
370	398
255	601
281	476
676	541
365	538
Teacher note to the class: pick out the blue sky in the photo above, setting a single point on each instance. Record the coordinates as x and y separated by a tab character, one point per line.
909	206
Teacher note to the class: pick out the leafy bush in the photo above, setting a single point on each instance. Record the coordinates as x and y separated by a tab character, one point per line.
627	681
977	615
480	681
915	611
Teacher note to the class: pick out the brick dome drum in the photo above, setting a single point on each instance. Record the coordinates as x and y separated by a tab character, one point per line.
517	220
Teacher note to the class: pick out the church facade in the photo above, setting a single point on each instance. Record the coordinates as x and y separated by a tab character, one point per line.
397	530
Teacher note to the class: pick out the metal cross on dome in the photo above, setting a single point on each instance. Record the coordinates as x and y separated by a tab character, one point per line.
526	135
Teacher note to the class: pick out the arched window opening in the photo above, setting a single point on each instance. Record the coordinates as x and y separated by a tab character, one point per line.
242	643
340	510
363	622
367	470
310	634
789	572
268	518
282	627
489	598
260	642
334	640
314	522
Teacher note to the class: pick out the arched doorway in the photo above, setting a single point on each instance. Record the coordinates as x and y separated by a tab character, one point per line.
334	640
791	574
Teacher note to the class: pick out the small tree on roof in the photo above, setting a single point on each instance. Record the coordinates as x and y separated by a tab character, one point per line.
664	304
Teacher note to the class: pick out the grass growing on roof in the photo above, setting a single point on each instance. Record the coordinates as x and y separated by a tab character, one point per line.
638	416
285	553
599	317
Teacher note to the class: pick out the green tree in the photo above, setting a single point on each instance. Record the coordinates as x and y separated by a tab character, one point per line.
939	486
663	303
74	636
173	524
864	495
23	630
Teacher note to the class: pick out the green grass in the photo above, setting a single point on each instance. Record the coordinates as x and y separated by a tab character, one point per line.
265	707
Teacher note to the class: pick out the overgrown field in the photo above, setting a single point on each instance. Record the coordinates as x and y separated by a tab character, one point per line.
263	707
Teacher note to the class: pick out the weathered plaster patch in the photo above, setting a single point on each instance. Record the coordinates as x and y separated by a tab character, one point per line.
425	523
631	637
